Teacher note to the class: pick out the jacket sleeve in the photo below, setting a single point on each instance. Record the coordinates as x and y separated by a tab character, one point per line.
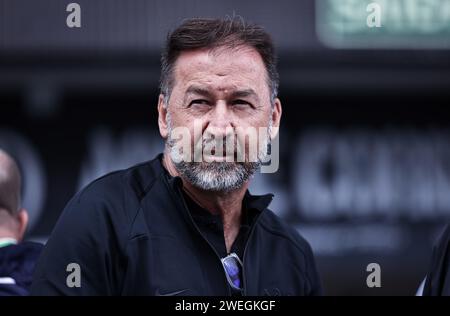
438	278
315	282
83	255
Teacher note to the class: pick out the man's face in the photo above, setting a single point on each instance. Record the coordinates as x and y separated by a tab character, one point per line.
218	96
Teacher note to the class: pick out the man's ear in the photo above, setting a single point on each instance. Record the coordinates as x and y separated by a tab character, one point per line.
162	117
22	219
276	118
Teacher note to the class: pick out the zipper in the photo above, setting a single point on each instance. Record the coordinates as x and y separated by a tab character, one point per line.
244	290
198	230
201	234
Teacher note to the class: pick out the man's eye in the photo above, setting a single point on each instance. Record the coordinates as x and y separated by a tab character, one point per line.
199	102
242	103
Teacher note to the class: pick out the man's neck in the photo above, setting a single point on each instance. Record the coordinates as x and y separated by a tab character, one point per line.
226	204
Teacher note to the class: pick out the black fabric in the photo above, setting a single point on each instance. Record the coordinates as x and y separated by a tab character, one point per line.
131	233
18	262
438	277
211	227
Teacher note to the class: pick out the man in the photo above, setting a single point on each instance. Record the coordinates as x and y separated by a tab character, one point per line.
176	225
17	260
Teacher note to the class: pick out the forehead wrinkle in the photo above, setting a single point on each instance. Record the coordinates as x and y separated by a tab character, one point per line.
204	69
214	65
233	91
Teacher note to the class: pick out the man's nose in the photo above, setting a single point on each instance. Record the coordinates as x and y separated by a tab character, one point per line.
221	119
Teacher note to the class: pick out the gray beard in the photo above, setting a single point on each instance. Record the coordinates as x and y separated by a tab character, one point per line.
217	176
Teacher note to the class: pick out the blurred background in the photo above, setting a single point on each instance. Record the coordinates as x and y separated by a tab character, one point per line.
365	138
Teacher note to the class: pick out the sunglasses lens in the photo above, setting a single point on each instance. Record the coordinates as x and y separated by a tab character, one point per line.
232	268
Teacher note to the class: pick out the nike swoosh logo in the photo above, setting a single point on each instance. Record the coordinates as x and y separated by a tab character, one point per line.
158	293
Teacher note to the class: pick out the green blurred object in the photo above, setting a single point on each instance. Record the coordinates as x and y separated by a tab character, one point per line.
404	24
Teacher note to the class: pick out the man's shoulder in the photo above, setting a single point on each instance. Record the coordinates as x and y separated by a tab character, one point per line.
109	203
438	277
133	182
115	196
276	226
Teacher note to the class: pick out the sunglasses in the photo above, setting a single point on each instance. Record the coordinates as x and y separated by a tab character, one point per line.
233	267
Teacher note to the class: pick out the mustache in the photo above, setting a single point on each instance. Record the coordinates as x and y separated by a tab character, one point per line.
240	144
217	143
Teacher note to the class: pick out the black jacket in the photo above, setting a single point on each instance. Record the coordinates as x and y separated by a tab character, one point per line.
438	278
17	263
131	234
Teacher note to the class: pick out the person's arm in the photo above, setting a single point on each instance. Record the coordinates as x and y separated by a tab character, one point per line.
313	275
86	236
438	278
